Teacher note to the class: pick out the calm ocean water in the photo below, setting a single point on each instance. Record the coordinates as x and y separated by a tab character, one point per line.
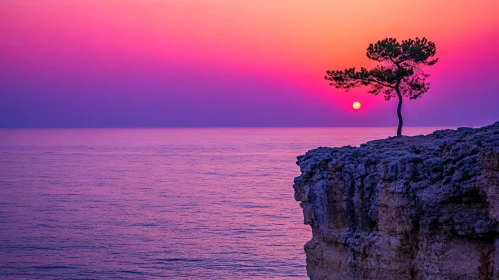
157	203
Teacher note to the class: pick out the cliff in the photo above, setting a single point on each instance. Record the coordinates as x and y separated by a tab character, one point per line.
423	207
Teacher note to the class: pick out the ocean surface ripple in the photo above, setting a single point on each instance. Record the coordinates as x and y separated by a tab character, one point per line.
157	203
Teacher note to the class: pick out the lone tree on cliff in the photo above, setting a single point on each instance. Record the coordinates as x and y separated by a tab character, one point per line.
399	71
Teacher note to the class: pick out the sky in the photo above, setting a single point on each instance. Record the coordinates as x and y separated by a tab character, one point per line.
230	63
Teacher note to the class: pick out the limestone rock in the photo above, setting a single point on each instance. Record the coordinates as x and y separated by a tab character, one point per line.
422	207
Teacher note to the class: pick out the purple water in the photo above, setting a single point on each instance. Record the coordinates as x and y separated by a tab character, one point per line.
157	203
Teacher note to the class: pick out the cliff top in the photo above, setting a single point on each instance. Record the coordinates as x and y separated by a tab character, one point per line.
448	143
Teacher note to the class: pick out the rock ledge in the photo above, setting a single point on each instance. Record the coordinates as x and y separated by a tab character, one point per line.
422	207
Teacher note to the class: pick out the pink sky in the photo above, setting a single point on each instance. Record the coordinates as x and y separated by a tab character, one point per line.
124	63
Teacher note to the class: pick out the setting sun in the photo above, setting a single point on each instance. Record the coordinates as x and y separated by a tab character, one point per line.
356	105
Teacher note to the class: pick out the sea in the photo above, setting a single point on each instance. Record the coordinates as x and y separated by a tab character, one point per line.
166	203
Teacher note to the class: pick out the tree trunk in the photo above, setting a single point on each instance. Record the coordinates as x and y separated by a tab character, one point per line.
399	114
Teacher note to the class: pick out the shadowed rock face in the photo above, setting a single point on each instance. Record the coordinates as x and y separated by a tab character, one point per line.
423	207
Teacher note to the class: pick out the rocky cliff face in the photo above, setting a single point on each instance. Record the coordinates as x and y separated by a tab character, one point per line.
423	207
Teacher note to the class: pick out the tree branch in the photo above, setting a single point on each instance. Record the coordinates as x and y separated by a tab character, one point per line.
395	62
376	81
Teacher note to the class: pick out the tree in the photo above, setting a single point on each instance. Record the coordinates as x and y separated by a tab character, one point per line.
399	71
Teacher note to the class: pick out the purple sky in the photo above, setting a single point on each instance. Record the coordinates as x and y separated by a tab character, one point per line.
100	64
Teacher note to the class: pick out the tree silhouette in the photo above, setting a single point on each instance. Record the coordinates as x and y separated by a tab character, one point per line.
399	71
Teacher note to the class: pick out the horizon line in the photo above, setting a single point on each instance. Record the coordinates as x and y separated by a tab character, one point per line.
237	127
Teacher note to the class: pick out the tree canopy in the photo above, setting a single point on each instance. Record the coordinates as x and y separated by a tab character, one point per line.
399	73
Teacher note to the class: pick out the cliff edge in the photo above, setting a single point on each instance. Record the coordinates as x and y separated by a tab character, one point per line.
422	207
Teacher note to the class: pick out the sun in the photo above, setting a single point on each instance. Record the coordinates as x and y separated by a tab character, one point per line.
356	105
